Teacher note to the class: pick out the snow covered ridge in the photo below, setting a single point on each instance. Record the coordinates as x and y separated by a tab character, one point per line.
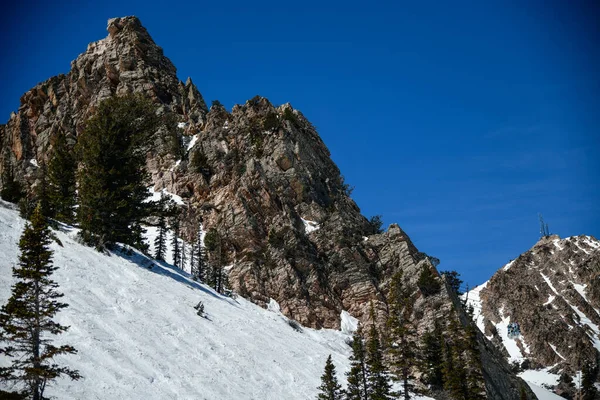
138	335
549	291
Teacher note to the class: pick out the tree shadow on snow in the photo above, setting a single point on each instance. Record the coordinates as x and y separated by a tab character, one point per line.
164	269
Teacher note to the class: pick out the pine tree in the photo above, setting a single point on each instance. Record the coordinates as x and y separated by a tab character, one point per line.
26	319
474	377
61	179
183	258
175	243
358	385
112	176
11	188
432	358
379	385
199	265
160	243
588	377
402	350
330	389
213	244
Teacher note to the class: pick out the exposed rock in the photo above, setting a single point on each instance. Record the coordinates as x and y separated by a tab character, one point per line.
262	175
553	292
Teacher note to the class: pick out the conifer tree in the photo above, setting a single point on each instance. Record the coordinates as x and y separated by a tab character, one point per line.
402	350
330	389
112	176
183	257
11	188
213	244
175	243
198	258
432	358
474	377
588	377
358	385
26	320
160	243
61	180
379	385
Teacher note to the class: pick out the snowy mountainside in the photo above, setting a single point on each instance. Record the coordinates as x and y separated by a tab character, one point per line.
138	335
553	292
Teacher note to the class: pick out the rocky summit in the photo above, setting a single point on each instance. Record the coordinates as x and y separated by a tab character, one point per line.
262	176
552	292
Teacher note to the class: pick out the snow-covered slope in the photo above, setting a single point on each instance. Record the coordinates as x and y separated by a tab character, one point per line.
552	291
139	337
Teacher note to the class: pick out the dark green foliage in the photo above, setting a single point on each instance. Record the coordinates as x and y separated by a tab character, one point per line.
358	386
289	115
428	282
453	279
11	188
253	102
61	180
375	223
216	103
26	320
216	278
379	384
199	164
276	238
176	249
400	329
198	264
346	188
112	177
160	243
475	382
432	358
330	389
271	122
566	386
588	377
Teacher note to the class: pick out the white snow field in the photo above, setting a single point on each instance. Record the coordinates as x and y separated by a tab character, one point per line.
138	335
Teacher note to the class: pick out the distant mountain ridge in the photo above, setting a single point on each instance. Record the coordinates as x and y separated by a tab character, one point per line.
553	292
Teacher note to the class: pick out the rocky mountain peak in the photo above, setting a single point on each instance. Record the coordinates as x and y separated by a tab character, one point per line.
553	292
260	175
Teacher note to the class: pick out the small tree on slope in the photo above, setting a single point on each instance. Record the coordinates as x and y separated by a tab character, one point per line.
380	388
61	179
26	319
330	388
358	385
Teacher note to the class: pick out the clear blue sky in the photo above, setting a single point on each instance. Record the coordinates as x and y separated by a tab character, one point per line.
459	121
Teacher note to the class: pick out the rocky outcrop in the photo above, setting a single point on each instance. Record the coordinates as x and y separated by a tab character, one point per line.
552	291
260	175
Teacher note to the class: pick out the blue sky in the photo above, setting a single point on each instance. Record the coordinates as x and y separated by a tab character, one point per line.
460	121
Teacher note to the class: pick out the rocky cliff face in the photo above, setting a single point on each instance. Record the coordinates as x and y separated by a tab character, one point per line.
261	175
553	292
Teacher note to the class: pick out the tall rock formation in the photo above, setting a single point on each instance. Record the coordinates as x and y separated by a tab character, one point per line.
553	292
261	176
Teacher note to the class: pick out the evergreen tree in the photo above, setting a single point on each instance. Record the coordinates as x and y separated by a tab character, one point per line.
26	319
379	385
358	385
588	389
183	258
428	282
175	243
432	358
11	188
522	393
112	176
160	243
474	377
61	179
330	389
197	256
213	244
402	350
